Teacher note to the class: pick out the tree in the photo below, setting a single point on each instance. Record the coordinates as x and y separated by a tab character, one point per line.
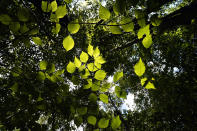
56	57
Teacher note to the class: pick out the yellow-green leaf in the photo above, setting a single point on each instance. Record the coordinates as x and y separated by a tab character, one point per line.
23	28
84	57
90	50
85	76
120	93
147	41
61	11
95	86
97	65
68	1
71	67
105	87
139	68
117	76
92	120
103	98
104	13
143	31
5	19
37	40
40	76
54	6
82	67
114	29
150	85
127	24
43	65
115	122
46	6
92	97
73	27
82	110
99	60
77	62
103	123
96	52
14	26
100	75
68	43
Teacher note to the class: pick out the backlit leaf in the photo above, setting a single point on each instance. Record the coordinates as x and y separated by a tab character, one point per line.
103	123
96	52
68	1
77	62
117	76
92	97
61	11
114	29
147	41
84	57
104	13
150	85
54	6
127	24
139	67
143	31
90	50
40	76
5	19
71	67
104	98
91	67
73	27
68	43
95	86
120	93
100	60
115	122
92	120
46	6
100	75
37	41
14	26
43	65
105	87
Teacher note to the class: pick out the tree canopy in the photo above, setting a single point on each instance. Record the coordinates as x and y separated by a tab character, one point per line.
57	56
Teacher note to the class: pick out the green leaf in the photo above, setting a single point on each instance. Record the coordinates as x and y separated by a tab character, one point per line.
43	65
100	60
71	67
85	76
90	50
5	19
100	75
120	93
147	41
105	87
95	86
104	13
82	110
77	62
61	11
24	28
127	24
92	120
56	29
73	27
155	20
14	87
51	68
115	122
143	80
84	57
68	1
150	85
114	29
46	6
103	98
139	14
97	65
92	67
103	123
139	68
41	76
143	31
141	22
68	43
117	76
82	67
92	97
14	26
23	14
37	41
96	130
96	52
54	6
59	72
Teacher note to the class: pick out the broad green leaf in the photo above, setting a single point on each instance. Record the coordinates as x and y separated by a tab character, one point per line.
139	68
43	65
143	80
82	110
95	86
23	14
53	18
73	27
68	43
92	67
89	84
103	123
71	67
68	1
155	20
61	11
51	68
115	122
120	93
84	57
78	120
24	28
127	24
14	87
82	67
92	97
147	41
139	14
59	72
100	60
97	65
103	98
56	28
46	6
100	75
150	85
77	62
92	120
14	26
143	31
90	50
34	31
96	52
54	6
105	87
141	22
5	19
104	13
37	41
116	9
114	29
85	76
117	76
